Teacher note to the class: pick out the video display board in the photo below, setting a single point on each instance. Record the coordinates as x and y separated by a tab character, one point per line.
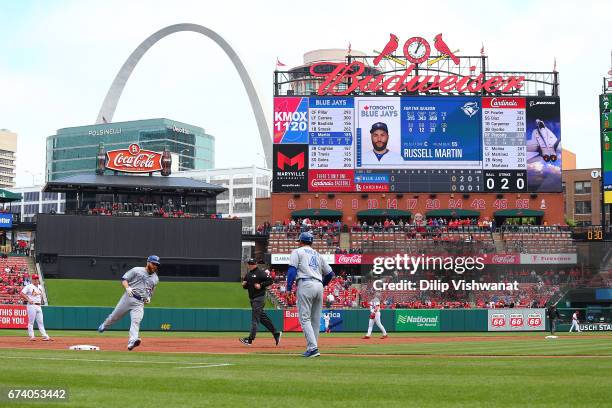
605	112
417	144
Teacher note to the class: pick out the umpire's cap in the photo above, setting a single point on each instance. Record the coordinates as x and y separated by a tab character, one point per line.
251	261
154	259
379	126
306	237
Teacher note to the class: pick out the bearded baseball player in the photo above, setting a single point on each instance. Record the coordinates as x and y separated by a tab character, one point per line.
375	318
139	284
312	274
34	295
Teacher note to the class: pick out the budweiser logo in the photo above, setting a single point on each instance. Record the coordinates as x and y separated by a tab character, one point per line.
354	259
345	79
503	259
498	103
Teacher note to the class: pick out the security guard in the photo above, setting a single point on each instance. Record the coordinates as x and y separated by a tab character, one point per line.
256	281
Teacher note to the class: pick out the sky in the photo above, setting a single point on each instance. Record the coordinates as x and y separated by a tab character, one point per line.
58	59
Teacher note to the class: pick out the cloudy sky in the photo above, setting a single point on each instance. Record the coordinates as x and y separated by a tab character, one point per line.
58	58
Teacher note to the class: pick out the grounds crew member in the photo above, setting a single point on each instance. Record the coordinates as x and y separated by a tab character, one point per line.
312	273
256	281
139	284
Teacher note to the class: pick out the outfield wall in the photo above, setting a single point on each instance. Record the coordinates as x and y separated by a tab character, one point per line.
350	320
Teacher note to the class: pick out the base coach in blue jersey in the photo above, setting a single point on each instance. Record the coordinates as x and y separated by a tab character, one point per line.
312	273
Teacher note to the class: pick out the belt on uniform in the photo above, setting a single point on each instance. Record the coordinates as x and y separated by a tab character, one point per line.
307	279
137	296
36	304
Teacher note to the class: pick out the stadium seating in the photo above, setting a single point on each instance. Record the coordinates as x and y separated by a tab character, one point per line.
12	282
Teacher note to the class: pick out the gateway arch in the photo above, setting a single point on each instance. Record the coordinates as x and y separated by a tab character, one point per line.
114	93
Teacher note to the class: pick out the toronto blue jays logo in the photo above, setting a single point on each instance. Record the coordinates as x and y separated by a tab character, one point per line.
470	108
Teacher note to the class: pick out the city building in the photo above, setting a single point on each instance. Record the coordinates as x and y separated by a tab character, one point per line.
73	150
35	201
582	188
300	79
8	149
244	184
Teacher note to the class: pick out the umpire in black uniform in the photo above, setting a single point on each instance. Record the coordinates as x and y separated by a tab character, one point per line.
553	315
256	281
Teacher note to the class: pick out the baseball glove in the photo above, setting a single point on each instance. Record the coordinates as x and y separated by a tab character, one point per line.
372	315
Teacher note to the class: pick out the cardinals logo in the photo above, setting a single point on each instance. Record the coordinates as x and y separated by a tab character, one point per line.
470	108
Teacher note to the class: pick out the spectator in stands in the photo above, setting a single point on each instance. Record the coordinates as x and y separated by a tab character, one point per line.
329	300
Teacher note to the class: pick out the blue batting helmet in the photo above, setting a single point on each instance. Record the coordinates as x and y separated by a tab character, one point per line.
154	259
306	237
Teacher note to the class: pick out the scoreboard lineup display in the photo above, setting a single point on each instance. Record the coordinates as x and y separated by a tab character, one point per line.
451	144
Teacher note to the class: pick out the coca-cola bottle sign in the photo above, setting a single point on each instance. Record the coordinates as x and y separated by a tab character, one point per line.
134	160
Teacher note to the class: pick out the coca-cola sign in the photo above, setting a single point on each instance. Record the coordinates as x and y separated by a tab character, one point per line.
348	259
134	160
505	259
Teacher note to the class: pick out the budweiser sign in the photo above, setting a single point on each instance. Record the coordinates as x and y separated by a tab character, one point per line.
345	79
348	259
134	160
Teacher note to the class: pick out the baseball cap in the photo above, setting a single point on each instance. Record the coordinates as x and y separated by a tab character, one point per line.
154	259
379	126
251	261
35	276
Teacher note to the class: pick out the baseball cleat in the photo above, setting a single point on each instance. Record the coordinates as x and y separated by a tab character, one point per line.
32	339
101	328
312	353
47	339
385	336
366	337
132	345
277	337
246	341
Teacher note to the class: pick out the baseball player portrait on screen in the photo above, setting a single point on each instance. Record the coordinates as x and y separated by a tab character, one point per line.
312	273
34	295
139	284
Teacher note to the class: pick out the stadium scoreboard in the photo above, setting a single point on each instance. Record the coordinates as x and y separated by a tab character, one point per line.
430	144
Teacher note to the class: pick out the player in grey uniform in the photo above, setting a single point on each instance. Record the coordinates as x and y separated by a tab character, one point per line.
139	284
312	273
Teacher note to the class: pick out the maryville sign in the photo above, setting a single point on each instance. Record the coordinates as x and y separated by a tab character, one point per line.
416	51
134	160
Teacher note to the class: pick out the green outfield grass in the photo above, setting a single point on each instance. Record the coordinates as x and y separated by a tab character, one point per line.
442	375
82	292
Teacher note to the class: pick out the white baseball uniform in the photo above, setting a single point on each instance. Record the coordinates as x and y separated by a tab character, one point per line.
375	308
326	319
35	295
575	322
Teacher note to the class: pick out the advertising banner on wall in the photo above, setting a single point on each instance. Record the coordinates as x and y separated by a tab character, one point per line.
291	321
417	320
552	259
516	319
290	120
13	317
331	321
290	168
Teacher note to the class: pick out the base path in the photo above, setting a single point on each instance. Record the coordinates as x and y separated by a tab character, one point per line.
230	345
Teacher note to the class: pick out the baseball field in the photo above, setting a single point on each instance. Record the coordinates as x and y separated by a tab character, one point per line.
408	369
